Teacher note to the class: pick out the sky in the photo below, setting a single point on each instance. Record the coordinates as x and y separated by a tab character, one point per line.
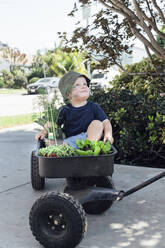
30	25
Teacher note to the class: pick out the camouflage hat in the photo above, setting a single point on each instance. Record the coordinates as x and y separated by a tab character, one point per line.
67	81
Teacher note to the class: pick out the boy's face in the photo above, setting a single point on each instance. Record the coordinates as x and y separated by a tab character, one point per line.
80	90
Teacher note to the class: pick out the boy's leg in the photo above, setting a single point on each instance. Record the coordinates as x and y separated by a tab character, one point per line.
95	130
71	141
64	143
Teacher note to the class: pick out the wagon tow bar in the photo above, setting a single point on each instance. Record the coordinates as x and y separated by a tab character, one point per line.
90	194
123	194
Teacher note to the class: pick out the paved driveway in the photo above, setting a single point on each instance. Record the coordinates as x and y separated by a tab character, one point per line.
137	221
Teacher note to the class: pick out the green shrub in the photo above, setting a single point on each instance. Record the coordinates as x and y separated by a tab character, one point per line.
138	123
35	73
1	83
20	81
33	80
8	79
147	83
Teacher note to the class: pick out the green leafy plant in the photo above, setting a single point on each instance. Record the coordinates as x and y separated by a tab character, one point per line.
86	148
95	148
49	105
57	151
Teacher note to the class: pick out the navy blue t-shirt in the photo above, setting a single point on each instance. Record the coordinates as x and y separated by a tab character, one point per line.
77	119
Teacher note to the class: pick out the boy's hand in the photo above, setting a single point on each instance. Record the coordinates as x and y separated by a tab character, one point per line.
43	132
107	131
109	138
40	135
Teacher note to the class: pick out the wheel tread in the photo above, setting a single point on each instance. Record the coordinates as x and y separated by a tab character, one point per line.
38	182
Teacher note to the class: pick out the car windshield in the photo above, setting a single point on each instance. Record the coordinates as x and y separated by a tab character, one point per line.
45	80
99	75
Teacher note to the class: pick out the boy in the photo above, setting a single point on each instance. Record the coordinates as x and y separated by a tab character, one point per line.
80	118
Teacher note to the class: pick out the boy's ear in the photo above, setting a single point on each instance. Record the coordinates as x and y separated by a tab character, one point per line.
68	95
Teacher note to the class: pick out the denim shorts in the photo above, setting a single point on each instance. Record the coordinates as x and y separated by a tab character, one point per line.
71	141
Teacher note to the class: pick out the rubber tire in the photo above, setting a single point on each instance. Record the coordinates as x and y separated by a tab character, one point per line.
73	217
98	207
38	183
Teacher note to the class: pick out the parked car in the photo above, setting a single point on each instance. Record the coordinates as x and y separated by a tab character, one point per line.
101	78
43	84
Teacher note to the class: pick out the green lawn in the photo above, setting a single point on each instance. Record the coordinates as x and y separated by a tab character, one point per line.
12	91
11	121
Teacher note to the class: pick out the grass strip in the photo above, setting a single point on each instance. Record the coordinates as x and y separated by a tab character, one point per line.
11	121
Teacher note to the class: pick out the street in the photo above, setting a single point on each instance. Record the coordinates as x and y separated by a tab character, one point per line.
136	221
18	104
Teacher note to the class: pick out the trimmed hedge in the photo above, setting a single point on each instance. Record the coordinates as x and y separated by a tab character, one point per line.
138	123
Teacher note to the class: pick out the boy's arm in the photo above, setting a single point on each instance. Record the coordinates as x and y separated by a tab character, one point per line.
108	131
43	132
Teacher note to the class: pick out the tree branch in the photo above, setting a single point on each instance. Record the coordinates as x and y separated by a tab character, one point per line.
160	74
117	10
149	55
139	20
145	41
152	21
159	10
146	28
124	9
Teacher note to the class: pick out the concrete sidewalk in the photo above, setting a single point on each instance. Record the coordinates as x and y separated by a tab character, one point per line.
136	221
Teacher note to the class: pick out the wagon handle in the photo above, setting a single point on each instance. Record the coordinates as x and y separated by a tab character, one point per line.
123	194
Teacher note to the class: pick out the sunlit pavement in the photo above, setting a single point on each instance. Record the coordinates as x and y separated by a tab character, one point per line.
135	222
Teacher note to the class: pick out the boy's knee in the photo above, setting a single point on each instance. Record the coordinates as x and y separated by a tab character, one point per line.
95	130
97	123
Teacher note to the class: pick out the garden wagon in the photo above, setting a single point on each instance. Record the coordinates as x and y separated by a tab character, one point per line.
57	220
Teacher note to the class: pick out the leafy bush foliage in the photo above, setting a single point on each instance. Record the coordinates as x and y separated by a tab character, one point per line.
20	81
146	83
160	40
8	79
33	80
60	62
138	125
2	84
14	79
35	73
